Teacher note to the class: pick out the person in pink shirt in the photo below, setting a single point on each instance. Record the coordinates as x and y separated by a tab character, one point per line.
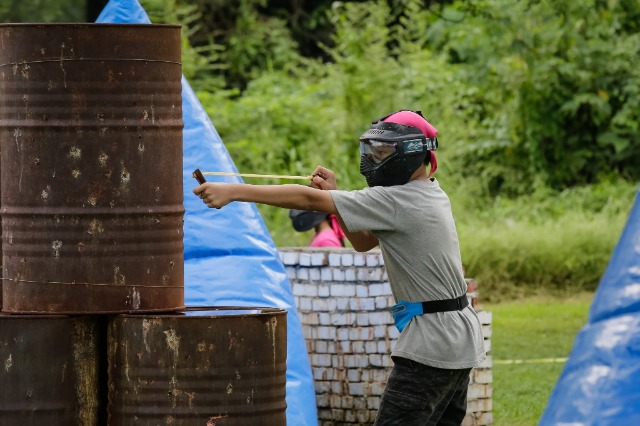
328	232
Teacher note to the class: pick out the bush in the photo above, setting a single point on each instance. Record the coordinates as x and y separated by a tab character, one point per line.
536	105
556	241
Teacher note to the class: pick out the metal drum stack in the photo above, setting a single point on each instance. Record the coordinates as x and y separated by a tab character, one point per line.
204	366
93	329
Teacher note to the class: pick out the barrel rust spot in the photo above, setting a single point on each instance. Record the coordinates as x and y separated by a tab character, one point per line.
102	159
213	421
173	342
75	153
8	363
84	354
56	245
95	227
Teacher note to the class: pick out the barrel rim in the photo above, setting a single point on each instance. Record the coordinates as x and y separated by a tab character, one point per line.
264	311
83	24
44	316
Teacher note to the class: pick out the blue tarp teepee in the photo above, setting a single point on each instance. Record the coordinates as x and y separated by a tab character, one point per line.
230	258
600	384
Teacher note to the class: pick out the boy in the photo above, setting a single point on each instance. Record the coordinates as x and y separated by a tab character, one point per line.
405	212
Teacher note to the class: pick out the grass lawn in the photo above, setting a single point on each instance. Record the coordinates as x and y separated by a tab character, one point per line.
531	328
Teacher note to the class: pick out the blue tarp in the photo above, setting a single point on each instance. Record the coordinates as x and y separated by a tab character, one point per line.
230	257
600	384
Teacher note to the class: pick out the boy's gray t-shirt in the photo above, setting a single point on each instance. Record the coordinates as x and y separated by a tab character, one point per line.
419	243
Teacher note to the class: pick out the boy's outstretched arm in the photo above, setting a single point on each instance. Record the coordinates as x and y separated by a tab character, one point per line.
290	196
297	197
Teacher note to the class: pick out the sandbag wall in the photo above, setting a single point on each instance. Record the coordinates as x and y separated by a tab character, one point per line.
93	328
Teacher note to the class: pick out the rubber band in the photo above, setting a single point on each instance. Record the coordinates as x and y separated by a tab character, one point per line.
258	175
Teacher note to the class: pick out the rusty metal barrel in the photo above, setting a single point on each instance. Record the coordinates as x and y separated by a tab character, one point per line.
201	366
53	370
91	165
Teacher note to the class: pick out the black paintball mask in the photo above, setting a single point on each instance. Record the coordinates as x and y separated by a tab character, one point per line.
390	152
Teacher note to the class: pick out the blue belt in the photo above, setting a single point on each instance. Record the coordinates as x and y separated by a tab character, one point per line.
404	311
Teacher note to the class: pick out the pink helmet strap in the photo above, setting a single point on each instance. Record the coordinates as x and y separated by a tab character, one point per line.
434	163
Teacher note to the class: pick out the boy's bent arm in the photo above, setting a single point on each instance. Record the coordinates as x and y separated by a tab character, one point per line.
361	240
325	179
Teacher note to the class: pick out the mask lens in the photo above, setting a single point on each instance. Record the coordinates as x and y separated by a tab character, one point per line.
377	151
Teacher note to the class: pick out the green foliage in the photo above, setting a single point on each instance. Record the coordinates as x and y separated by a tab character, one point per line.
42	11
199	65
293	119
257	46
548	240
559	85
536	103
289	120
242	41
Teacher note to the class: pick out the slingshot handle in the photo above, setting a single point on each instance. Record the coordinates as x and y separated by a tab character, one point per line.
197	174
